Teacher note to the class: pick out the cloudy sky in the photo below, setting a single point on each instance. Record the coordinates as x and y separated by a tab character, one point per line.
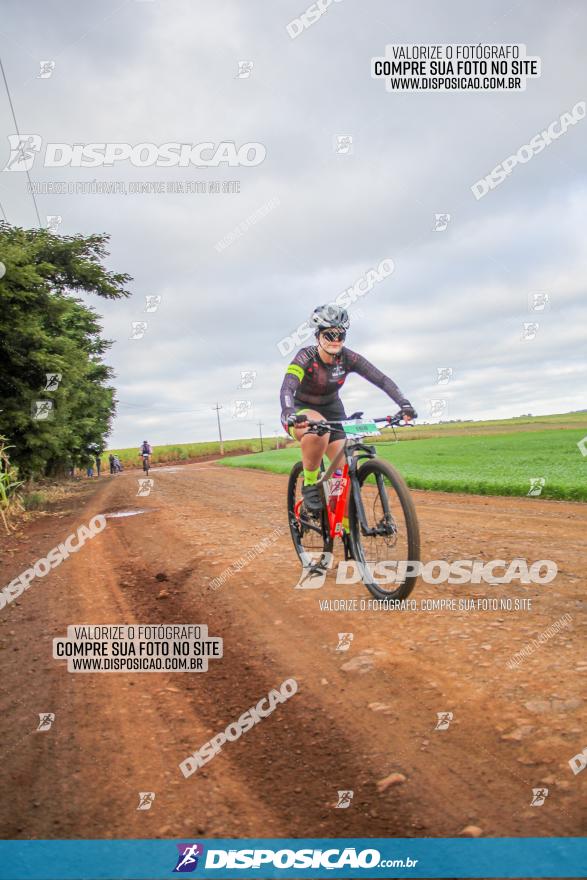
158	72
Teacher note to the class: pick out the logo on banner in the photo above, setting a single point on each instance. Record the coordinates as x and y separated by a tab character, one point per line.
145	486
247	378
343	144
441	222
443	375
139	328
444	719
146	799
344	641
41	410
52	381
23	149
46	719
315	569
245	68
344	799
536	486
53	222
188	855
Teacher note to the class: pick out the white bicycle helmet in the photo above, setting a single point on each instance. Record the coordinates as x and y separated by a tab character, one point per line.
330	315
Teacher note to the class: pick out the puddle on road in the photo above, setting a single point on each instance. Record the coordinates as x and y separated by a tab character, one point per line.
120	513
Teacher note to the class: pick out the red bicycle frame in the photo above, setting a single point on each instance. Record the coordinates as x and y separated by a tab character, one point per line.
336	504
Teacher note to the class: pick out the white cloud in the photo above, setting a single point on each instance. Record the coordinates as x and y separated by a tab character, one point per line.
141	72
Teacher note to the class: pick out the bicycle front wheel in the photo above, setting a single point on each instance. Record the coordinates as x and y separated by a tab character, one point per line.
390	532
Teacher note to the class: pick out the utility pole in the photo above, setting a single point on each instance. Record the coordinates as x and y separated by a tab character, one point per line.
218	408
261	434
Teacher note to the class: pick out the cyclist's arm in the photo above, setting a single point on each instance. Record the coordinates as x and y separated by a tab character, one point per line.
291	382
359	364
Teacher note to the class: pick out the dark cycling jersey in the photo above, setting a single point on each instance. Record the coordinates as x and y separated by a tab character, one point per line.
309	380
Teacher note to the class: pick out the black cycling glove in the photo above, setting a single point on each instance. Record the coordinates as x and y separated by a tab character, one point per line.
407	409
293	419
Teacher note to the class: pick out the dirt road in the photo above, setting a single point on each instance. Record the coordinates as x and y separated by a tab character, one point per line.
358	715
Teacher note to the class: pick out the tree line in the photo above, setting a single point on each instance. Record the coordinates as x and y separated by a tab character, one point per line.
57	401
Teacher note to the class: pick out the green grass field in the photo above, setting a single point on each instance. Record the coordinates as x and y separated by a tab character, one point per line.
489	463
559	422
494	457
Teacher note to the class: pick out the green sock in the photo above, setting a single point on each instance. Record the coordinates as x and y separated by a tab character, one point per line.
311	477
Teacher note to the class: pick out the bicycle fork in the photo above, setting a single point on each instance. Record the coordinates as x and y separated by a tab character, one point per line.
378	530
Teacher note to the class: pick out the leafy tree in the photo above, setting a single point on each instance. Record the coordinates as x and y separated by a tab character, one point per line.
46	328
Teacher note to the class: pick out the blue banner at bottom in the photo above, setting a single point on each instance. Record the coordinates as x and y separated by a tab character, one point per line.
288	857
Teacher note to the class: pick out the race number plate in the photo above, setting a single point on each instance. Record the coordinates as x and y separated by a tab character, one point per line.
352	427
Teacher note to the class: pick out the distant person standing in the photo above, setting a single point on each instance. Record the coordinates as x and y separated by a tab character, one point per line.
111	462
98	465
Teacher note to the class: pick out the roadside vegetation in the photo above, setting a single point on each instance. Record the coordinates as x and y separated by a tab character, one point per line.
185	452
514	461
46	330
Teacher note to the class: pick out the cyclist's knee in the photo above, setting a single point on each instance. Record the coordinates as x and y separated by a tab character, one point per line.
310	439
334	448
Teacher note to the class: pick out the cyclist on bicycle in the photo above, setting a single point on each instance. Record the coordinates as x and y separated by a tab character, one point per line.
310	390
145	449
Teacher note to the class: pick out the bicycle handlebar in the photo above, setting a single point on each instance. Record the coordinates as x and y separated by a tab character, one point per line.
397	419
323	425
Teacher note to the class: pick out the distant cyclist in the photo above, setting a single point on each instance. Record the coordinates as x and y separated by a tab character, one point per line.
310	390
145	452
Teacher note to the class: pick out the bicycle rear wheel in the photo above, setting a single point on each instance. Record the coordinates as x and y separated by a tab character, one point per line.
310	535
393	532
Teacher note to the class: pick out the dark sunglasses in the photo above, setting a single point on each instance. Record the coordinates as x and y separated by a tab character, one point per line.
334	335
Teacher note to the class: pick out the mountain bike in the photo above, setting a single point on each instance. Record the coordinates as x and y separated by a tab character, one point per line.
366	503
146	462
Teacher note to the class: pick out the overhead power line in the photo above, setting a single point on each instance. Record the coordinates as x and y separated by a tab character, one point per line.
161	412
19	135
